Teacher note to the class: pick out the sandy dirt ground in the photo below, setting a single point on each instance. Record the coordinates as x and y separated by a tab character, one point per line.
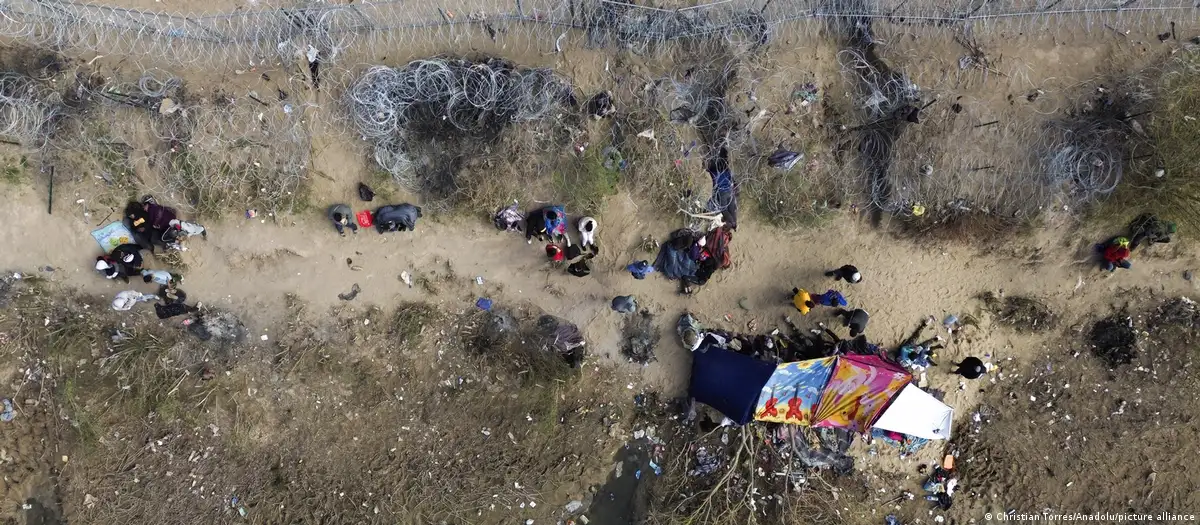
249	266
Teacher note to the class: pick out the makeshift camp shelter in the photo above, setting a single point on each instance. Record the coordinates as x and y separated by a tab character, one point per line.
726	380
792	392
847	392
858	390
839	392
917	413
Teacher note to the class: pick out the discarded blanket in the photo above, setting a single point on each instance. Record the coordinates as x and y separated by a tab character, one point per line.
509	218
675	259
113	235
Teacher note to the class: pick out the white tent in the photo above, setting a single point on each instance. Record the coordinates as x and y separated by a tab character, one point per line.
916	413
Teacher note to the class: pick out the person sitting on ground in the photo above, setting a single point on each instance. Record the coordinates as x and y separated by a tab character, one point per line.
547	223
111	268
625	304
172	304
159	216
802	300
848	272
577	258
855	319
970	368
342	217
401	217
161	277
130	256
1150	229
1116	254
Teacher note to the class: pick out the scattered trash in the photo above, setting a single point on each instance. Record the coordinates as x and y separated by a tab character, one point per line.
354	290
89	500
167	107
406	278
784	159
1187	275
949	322
657	469
479	280
8	414
251	213
574	506
613	160
601	105
649	134
807	93
484	304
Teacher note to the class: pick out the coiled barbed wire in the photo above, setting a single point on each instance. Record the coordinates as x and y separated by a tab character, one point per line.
446	99
27	110
252	37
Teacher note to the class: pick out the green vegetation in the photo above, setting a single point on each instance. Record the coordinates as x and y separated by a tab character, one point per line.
585	182
1168	182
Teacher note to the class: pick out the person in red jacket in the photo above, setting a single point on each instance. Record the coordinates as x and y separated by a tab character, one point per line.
1116	254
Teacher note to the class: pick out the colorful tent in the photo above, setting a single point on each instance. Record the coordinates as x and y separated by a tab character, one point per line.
793	391
916	413
858	390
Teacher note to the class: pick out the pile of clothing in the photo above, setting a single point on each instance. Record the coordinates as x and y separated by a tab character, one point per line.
692	257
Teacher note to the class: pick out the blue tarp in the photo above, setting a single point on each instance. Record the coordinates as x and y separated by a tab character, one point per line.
728	381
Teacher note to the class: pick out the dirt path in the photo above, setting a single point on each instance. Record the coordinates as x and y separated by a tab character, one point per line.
248	265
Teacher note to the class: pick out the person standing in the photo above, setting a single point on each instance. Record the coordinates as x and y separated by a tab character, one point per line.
970	368
848	273
856	319
802	300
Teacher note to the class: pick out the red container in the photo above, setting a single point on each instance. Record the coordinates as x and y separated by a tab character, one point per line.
364	218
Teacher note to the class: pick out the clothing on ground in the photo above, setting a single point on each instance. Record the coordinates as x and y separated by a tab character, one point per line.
508	218
625	304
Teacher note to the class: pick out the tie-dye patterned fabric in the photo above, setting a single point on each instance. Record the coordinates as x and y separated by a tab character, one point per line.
793	390
858	390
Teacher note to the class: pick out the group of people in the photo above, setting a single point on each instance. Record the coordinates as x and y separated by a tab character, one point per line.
911	354
1146	228
856	320
392	218
549	224
153	225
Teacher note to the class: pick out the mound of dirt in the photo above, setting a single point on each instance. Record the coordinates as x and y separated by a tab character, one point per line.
1114	340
